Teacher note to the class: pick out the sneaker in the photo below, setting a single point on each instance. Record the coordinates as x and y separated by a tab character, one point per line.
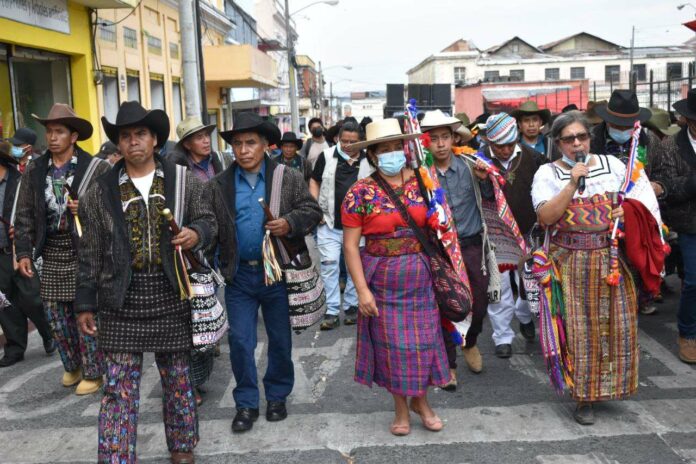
351	316
687	350
472	356
648	309
527	331
330	322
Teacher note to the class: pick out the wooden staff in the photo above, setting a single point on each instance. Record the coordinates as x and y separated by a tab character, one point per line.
292	251
174	227
72	195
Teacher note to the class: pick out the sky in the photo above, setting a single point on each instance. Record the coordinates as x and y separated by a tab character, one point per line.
382	39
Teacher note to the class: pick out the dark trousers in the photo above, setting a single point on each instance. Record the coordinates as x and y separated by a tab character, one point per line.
24	295
686	317
243	299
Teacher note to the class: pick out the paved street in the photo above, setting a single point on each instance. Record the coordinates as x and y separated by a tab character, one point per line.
508	413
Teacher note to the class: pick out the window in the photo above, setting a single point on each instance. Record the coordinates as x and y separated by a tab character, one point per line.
577	72
156	93
612	73
107	31
552	74
459	74
130	37
674	70
133	86
491	76
154	45
173	50
517	75
110	93
640	72
176	102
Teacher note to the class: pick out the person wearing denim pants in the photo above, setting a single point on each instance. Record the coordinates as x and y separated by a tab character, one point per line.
335	171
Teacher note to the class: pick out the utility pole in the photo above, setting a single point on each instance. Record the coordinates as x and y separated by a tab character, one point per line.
189	55
321	95
290	46
331	110
201	69
631	74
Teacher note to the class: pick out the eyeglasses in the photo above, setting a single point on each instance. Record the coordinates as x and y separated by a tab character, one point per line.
582	137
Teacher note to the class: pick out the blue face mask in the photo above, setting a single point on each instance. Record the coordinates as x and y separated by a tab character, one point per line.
390	164
17	152
620	136
569	161
342	153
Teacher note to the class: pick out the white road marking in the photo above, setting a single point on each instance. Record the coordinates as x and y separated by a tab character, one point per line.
684	374
592	458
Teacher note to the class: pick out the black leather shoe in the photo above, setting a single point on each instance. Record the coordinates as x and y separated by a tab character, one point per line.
527	331
8	361
330	322
49	346
584	414
503	351
276	411
244	419
351	316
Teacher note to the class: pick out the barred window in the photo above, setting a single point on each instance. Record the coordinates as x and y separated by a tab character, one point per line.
154	45
552	74
174	50
107	30
130	38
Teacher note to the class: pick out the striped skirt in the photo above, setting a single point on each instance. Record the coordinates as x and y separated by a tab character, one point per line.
601	325
402	349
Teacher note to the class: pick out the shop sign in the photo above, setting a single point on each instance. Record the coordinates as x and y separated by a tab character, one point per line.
46	14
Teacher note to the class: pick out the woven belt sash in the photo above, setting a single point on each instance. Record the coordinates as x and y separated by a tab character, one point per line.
580	241
393	246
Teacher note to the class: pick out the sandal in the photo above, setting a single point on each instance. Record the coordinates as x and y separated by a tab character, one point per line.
434	423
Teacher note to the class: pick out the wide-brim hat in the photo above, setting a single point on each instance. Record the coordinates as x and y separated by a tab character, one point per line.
661	122
529	108
464	133
436	118
131	113
61	113
591	111
190	126
5	154
385	130
252	122
623	109
291	137
687	106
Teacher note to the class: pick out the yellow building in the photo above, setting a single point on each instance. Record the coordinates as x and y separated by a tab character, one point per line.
46	57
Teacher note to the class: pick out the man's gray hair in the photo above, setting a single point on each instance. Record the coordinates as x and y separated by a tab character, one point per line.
564	120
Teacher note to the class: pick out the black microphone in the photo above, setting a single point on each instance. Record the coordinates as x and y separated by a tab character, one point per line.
580	158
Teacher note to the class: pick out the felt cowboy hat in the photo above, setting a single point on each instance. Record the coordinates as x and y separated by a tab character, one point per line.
385	130
591	112
190	126
660	121
61	113
464	133
252	122
623	109
687	106
291	137
529	108
130	114
463	118
436	118
5	147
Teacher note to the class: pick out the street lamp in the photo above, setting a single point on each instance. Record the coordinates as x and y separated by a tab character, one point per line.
681	7
290	46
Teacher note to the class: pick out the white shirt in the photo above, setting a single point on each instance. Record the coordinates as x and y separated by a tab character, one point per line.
506	164
144	184
691	139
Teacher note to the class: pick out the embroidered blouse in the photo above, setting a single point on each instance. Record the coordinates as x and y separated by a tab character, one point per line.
55	194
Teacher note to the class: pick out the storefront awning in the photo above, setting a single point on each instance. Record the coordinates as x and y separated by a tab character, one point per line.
108	3
239	66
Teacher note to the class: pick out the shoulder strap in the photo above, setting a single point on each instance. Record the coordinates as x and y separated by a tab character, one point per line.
14	203
418	231
179	194
91	167
274	206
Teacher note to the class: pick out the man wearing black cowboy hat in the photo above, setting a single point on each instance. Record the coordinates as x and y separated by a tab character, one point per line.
48	225
674	174
530	119
127	277
195	151
22	293
234	195
290	147
613	137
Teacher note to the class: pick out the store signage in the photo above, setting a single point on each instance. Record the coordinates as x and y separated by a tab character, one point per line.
46	14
